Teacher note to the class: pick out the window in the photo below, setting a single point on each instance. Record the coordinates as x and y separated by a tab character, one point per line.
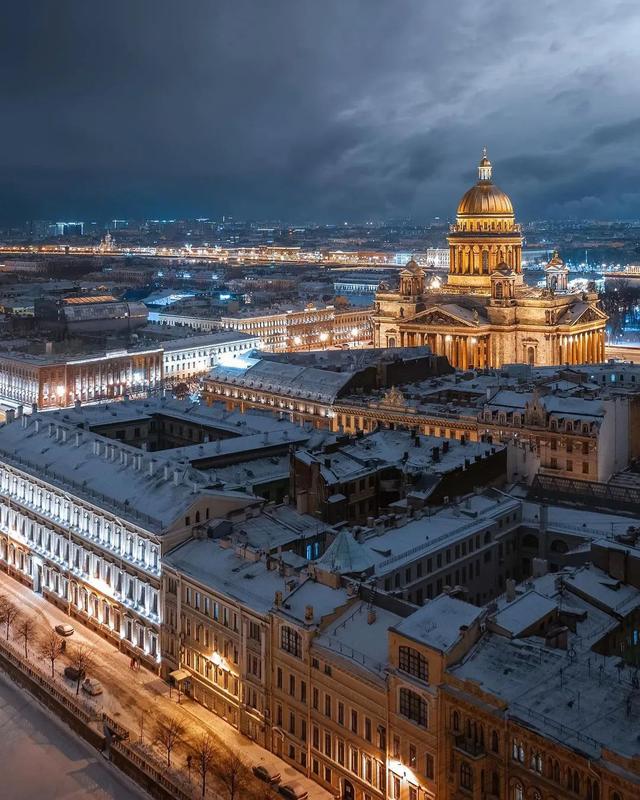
354	721
428	766
290	641
518	792
413	756
413	663
327	705
536	762
495	743
466	776
413	707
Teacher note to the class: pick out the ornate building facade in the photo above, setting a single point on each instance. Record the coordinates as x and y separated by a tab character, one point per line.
485	315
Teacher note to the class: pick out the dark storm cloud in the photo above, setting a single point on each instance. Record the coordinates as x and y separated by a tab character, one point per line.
336	110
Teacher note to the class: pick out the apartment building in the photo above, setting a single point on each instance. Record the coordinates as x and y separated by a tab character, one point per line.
85	521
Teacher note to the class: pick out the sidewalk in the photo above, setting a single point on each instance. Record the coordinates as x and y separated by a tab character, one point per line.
129	696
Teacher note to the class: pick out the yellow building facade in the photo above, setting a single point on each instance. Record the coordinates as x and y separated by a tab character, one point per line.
485	315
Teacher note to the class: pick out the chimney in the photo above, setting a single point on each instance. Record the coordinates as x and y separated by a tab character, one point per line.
24	420
63	434
416	441
78	438
37	422
435	454
278	599
151	466
77	405
265	437
176	477
511	590
544	517
540	567
445	446
51	428
371	616
10	415
308	613
166	472
48	348
327	463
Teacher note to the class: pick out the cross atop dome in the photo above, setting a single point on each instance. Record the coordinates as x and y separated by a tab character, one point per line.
484	167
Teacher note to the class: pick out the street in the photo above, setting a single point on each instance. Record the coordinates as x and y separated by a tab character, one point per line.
131	697
42	758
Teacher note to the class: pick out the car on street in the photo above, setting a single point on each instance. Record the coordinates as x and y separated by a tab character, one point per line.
64	629
266	774
91	686
73	673
293	791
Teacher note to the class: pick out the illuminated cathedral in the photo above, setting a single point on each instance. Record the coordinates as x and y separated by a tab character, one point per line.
485	315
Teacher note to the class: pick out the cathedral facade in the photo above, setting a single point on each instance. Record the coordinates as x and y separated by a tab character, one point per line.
485	315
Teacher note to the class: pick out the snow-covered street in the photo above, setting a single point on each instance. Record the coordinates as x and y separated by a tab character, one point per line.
131	697
42	758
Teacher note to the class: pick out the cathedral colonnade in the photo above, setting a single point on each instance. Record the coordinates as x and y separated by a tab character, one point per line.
587	347
462	350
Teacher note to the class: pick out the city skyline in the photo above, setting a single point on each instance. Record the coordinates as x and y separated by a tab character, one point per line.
363	113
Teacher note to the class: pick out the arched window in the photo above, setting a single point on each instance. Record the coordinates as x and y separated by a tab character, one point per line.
455	721
290	641
495	742
518	792
413	663
466	776
593	790
413	707
391	341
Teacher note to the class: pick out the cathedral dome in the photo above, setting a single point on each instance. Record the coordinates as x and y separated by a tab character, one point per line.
485	198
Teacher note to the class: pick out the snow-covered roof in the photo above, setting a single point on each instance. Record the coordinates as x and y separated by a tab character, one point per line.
289	379
277	527
580	700
223	569
397	448
117	477
208	340
360	635
439	623
346	555
523	613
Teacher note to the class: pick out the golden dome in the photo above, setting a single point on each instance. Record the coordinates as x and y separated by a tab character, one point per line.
485	198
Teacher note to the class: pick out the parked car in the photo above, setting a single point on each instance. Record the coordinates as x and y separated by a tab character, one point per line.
293	791
91	686
266	774
73	673
64	630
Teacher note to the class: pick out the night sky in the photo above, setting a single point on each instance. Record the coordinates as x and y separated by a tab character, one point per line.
317	109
